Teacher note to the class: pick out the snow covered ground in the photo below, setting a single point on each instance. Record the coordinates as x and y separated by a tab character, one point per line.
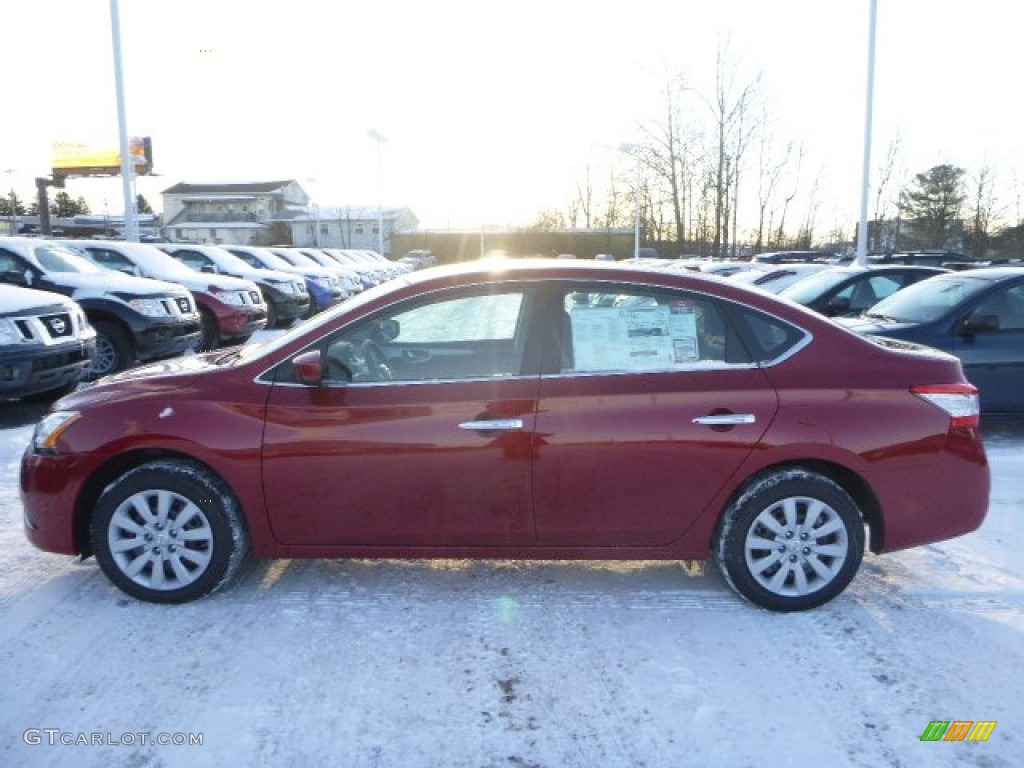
488	664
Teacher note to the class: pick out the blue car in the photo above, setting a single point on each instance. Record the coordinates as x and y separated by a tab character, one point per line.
325	289
977	315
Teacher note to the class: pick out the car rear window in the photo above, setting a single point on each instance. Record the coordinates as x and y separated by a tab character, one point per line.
768	338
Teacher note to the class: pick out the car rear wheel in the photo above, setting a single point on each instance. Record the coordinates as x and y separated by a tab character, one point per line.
793	540
169	531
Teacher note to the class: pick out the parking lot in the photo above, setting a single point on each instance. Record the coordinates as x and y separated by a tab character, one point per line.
484	663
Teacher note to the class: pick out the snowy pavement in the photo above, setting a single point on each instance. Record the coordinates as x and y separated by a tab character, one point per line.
488	664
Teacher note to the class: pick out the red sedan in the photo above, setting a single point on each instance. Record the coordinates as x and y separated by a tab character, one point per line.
546	409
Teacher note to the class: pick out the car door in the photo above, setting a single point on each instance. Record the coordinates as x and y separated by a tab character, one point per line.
648	408
410	457
991	349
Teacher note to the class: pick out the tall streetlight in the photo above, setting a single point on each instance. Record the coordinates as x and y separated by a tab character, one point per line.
635	149
131	221
374	134
14	212
862	227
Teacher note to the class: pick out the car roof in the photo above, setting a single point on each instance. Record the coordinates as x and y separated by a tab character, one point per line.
993	274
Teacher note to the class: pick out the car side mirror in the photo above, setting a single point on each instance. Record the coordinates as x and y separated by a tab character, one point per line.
309	368
980	323
837	305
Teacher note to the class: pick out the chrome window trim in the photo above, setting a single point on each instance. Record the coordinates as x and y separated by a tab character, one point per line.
807	337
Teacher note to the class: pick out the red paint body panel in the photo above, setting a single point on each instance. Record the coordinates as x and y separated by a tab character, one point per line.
390	465
602	466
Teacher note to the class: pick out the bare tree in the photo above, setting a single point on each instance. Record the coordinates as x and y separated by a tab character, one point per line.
670	151
780	231
877	239
729	108
769	174
983	212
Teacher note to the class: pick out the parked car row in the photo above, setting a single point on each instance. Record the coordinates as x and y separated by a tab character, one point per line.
140	302
135	319
973	311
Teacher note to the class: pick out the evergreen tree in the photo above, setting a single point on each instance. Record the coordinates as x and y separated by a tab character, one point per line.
933	203
142	205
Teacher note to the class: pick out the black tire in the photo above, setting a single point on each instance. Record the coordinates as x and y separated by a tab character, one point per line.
169	531
792	541
209	338
113	351
273	318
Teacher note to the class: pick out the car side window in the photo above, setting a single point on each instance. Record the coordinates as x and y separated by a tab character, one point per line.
248	258
192	259
768	337
1007	306
639	329
454	337
110	259
10	262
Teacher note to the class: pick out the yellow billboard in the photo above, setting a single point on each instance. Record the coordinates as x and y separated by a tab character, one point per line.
73	158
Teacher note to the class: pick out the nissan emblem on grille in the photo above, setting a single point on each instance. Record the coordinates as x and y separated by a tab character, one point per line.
58	325
183	304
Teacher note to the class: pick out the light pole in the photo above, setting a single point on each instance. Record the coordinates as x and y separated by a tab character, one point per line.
862	227
635	149
14	212
131	222
374	134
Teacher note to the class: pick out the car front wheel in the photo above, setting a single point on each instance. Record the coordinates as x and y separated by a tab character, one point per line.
113	351
793	540
169	531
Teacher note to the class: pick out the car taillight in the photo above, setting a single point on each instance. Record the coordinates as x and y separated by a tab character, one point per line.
960	401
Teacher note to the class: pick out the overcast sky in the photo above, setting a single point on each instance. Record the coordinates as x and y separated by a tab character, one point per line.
491	111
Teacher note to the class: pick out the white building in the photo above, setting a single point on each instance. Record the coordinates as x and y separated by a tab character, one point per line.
229	213
275	213
348	226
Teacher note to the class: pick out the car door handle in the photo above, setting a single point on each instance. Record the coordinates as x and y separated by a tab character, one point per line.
492	425
726	419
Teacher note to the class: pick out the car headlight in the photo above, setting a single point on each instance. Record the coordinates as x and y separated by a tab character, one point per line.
9	333
149	307
50	428
234	298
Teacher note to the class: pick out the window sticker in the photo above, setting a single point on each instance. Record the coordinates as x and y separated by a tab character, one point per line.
634	337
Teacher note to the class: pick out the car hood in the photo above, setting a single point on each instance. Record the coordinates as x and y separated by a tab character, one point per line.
95	285
205	283
14	300
162	376
276	276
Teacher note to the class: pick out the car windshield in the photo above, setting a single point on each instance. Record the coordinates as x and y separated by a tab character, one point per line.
927	300
150	257
55	258
273	261
812	286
